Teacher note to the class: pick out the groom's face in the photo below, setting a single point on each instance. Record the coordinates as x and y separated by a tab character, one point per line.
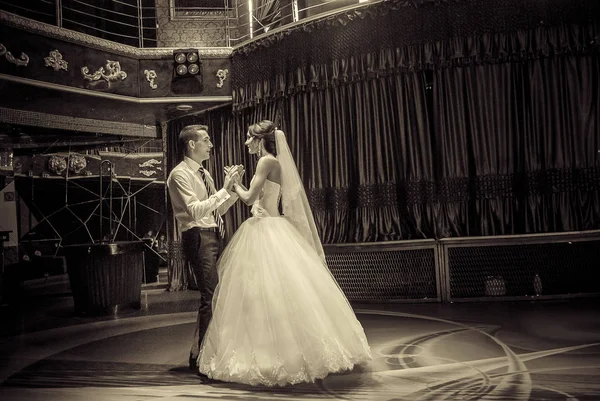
202	146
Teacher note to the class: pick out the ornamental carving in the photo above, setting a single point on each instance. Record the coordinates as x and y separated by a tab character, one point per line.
222	75
77	163
147	173
23	60
57	164
150	163
112	73
55	60
150	77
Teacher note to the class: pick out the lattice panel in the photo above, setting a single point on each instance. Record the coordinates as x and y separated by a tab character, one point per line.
520	270
385	275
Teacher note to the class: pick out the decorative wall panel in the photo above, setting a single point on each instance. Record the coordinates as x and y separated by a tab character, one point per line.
38	49
188	33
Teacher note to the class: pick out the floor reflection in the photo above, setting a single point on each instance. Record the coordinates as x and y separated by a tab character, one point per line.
427	352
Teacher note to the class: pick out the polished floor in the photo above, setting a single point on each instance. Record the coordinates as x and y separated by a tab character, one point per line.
543	350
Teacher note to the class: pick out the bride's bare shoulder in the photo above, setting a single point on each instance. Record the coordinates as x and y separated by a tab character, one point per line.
269	162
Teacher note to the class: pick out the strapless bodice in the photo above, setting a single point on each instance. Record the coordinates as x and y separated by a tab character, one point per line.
267	203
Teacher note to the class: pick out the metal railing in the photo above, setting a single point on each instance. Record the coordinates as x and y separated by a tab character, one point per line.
130	22
174	23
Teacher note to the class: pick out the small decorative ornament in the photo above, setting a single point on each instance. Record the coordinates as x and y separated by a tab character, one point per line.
147	173
222	75
55	60
112	73
76	163
23	60
57	164
149	163
150	77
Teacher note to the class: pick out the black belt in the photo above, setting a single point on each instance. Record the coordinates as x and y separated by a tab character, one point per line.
210	229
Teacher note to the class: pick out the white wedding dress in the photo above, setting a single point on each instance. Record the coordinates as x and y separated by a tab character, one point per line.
279	317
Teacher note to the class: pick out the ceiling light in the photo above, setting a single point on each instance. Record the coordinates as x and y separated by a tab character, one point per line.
187	62
182	69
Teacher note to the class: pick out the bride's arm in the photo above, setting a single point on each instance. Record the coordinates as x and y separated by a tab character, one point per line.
263	168
240	187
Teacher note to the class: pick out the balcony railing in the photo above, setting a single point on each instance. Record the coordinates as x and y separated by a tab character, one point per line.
174	23
131	22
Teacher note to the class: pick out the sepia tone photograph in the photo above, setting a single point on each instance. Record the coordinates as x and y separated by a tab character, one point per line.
358	200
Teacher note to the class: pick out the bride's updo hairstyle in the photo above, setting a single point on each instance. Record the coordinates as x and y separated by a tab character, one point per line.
265	129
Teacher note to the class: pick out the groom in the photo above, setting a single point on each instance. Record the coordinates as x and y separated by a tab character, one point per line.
198	207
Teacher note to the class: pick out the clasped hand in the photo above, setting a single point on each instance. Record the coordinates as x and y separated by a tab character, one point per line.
233	175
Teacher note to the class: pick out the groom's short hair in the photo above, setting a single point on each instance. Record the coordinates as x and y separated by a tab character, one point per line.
190	133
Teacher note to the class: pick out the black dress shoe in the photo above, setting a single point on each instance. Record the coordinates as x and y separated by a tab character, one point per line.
193	364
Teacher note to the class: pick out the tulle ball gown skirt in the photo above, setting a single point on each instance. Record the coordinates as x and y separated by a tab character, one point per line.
278	315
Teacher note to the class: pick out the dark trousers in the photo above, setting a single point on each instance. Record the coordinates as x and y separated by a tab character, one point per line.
201	249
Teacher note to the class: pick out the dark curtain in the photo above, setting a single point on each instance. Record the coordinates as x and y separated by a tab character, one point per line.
562	132
488	135
354	164
519	143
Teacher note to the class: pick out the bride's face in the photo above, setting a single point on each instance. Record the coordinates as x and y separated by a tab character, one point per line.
252	143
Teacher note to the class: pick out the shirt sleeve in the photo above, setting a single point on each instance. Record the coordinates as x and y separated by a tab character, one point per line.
224	207
182	191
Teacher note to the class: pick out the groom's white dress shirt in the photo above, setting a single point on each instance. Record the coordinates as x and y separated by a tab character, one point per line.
191	203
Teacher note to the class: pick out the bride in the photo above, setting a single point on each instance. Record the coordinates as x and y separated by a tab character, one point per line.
279	316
